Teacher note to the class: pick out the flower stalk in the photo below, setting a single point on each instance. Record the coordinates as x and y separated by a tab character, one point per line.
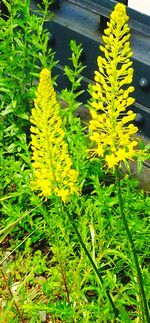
52	165
132	246
110	128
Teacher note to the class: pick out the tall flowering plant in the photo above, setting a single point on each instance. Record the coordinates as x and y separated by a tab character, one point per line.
111	129
52	166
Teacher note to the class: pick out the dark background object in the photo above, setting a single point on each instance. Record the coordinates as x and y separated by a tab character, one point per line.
84	21
4	10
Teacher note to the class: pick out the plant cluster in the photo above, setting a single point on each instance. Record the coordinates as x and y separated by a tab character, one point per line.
74	231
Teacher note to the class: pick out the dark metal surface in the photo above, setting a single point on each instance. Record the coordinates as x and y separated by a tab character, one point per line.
84	20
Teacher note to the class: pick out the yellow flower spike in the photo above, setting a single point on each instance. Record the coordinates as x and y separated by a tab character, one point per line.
52	165
111	131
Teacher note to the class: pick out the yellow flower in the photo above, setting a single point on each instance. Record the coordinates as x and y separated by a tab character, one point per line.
111	160
110	128
121	154
51	162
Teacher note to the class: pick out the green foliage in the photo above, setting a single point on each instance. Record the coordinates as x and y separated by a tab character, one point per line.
24	48
44	271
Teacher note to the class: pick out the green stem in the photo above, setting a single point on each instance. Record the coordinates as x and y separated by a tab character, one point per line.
115	310
139	274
